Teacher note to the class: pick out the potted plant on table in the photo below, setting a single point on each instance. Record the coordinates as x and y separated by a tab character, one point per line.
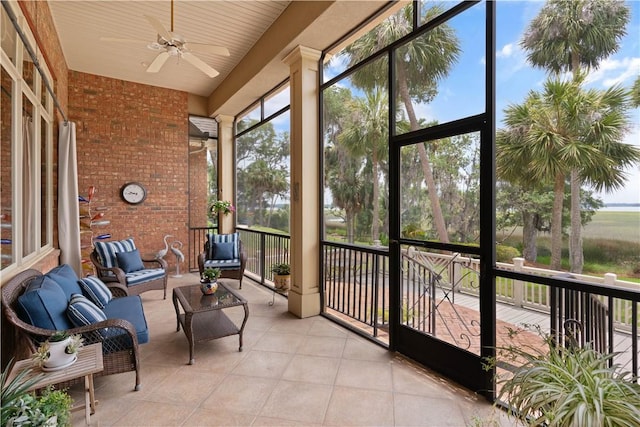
281	276
59	351
209	280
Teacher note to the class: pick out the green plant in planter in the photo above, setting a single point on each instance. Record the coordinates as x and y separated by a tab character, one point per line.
560	386
211	273
51	408
43	352
281	269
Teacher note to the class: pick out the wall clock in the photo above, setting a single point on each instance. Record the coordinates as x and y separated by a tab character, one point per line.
133	193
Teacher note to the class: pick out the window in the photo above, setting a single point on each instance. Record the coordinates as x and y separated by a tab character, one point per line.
262	152
26	142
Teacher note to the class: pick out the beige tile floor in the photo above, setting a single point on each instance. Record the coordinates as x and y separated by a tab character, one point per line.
291	372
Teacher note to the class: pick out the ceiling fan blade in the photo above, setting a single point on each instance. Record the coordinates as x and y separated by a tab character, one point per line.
199	64
207	48
115	39
158	62
162	32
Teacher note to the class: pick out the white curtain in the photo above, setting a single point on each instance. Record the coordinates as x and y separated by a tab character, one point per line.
68	211
28	193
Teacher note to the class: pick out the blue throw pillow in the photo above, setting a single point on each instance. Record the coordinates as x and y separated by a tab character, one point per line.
223	250
66	278
43	304
95	289
130	261
83	312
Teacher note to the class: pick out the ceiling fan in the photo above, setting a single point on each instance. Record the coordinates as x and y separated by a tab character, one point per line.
171	44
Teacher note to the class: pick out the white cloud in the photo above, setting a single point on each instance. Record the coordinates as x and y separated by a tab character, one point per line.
615	71
506	51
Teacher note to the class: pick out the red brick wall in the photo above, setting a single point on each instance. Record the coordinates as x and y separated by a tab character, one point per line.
133	132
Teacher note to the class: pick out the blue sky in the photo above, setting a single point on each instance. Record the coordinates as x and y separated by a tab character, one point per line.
515	77
462	92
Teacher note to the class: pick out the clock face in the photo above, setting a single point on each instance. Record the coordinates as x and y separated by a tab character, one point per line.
133	192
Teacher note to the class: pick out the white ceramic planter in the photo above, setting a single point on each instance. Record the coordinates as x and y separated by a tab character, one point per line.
58	357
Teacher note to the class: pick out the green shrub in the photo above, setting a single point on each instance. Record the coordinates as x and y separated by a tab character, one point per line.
506	253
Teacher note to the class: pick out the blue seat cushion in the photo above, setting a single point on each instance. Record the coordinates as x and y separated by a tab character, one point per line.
129	261
143	276
107	251
213	239
129	308
66	278
44	304
224	264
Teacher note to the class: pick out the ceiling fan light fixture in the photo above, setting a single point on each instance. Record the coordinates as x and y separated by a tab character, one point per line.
169	44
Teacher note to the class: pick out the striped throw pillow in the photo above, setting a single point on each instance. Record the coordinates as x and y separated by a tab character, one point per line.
233	238
95	289
83	312
107	251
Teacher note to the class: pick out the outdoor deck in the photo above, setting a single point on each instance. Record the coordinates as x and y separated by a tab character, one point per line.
461	318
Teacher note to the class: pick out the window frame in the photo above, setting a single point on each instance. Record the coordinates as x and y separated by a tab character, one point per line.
42	104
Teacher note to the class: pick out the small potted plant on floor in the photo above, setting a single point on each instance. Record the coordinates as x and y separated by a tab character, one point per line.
59	351
209	280
281	276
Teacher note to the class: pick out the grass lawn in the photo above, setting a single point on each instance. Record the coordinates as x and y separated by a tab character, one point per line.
624	226
611	243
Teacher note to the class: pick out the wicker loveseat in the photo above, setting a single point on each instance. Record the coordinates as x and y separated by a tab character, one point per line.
119	337
224	251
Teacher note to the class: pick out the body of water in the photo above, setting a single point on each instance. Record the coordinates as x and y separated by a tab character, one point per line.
620	209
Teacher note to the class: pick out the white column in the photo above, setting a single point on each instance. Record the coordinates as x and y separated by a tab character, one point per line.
304	295
226	171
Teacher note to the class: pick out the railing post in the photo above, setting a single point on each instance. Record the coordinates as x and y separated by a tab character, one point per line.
455	274
262	258
518	286
610	279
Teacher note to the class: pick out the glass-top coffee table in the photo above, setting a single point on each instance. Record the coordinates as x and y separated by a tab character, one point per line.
203	318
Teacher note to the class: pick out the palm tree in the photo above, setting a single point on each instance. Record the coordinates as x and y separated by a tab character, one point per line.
423	62
565	127
568	36
344	178
343	171
368	134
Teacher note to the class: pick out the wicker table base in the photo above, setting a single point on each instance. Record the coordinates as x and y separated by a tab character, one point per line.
203	318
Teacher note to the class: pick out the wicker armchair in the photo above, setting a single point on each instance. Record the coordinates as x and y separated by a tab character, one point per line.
132	283
120	350
230	272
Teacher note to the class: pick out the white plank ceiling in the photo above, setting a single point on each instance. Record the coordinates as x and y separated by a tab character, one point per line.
236	25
